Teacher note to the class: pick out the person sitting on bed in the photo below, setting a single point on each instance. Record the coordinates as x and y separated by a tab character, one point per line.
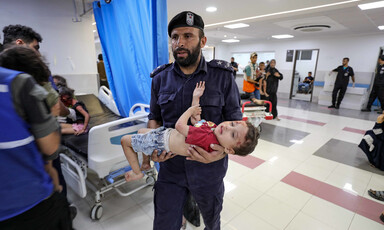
80	126
237	137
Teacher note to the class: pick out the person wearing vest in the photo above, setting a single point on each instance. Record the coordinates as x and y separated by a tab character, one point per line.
249	83
30	136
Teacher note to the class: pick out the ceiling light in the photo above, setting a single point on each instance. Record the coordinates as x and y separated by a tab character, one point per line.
230	40
94	23
94	31
225	36
211	9
282	36
282	12
381	27
234	37
372	5
236	26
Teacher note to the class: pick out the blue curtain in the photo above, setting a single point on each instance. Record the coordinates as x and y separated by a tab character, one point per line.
134	41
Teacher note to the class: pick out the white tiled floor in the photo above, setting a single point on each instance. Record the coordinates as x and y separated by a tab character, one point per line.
257	198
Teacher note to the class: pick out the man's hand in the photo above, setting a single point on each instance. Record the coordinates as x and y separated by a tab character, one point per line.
198	154
380	119
277	74
162	157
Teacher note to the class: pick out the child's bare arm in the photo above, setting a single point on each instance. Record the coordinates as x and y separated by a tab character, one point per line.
182	123
86	119
54	175
197	93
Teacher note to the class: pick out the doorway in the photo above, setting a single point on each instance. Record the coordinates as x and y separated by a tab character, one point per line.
305	65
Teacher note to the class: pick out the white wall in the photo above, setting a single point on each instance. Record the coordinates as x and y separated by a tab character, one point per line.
362	50
68	47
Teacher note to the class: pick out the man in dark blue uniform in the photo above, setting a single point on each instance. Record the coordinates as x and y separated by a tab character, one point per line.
378	86
202	173
343	73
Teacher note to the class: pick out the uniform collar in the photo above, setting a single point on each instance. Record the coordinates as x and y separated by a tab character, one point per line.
201	67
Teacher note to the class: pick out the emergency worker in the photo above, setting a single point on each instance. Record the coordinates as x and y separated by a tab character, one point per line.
30	136
341	83
201	173
378	86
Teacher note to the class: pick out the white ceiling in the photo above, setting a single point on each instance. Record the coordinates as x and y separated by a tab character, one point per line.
345	19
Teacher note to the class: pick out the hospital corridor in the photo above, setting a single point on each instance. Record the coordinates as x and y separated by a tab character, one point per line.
306	173
192	115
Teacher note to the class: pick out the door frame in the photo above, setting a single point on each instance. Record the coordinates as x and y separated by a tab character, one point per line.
294	68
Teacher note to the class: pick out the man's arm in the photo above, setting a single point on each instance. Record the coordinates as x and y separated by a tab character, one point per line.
29	100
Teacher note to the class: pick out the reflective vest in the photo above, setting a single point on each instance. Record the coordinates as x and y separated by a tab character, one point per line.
24	182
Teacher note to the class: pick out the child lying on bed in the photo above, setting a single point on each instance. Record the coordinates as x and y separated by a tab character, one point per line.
237	137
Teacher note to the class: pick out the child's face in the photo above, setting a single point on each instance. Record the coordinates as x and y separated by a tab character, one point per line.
231	134
67	100
262	66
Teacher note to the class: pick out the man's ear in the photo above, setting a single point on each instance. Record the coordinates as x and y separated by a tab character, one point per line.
19	42
203	42
229	151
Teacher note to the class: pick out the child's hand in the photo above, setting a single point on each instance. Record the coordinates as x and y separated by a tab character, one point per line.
199	90
380	119
195	110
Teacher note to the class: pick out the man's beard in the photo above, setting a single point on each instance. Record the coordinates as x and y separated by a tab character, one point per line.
190	59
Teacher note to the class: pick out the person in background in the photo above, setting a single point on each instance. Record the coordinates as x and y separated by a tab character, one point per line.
101	71
235	66
304	86
262	82
201	173
25	36
80	125
341	83
273	77
249	83
33	140
378	86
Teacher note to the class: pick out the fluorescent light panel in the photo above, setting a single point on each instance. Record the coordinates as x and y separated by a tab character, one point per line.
282	36
236	26
230	40
372	5
381	27
281	13
211	9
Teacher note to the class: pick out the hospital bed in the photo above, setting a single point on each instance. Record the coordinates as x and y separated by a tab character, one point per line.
256	113
99	151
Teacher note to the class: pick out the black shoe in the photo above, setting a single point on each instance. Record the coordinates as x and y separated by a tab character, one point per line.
72	211
337	106
366	110
331	106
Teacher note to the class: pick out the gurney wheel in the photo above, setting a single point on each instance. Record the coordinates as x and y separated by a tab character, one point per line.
96	212
150	180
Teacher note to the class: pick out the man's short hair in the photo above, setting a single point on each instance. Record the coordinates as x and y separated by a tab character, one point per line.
251	139
382	57
310	72
346	59
262	63
100	57
25	33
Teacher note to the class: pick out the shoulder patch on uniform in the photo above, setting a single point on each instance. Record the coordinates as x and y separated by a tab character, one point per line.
159	69
220	64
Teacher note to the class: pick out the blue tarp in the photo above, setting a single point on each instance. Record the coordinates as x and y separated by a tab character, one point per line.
134	41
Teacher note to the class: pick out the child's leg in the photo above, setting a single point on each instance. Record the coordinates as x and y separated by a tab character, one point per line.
146	165
67	128
131	156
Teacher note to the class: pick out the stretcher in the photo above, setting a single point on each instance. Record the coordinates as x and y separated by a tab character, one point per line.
99	151
256	113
